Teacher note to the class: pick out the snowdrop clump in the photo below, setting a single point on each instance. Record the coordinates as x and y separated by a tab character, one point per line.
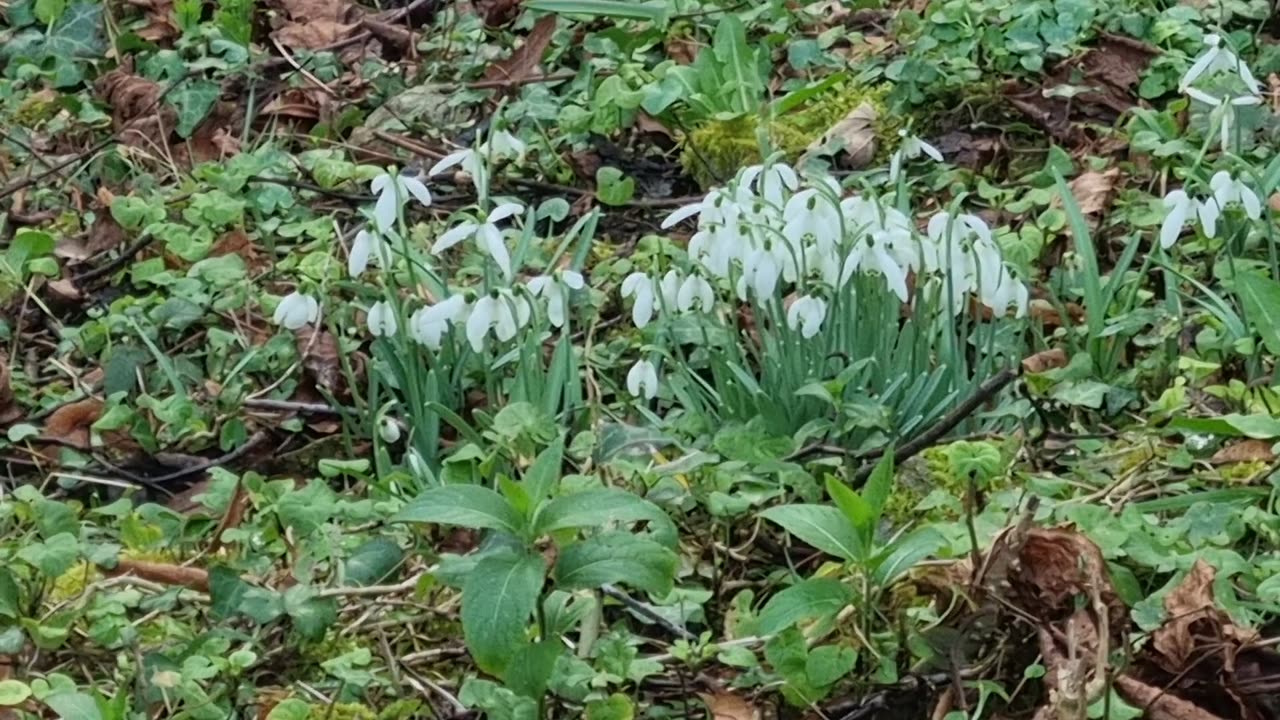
1225	191
1217	62
779	241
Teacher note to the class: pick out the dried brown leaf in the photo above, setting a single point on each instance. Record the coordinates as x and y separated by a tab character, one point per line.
237	242
1093	190
1250	450
1045	360
523	63
70	423
9	410
313	34
163	573
1056	567
854	135
1195	626
727	706
319	351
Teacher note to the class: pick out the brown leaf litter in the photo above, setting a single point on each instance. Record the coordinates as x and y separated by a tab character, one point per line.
525	62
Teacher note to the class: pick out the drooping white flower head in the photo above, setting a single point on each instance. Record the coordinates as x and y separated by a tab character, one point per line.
555	290
501	311
487	234
296	310
910	148
1179	207
393	191
469	160
1231	191
642	380
381	319
1223	109
641	287
807	313
669	290
695	291
366	248
1217	59
429	324
810	216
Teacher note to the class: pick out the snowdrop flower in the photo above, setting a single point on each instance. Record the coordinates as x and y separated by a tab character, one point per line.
910	148
1180	207
642	380
1002	291
503	144
810	215
470	161
487	234
1217	59
873	255
695	290
500	311
1230	191
807	313
555	290
392	191
368	246
1224	108
389	430
640	286
669	290
381	319
772	182
760	272
429	324
296	310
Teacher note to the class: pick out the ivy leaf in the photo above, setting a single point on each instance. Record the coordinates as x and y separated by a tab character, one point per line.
54	556
311	615
74	706
614	188
497	601
193	99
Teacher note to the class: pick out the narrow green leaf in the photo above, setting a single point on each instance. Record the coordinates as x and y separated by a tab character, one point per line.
879	485
470	506
497	601
600	8
856	509
807	600
823	527
903	554
531	667
543	475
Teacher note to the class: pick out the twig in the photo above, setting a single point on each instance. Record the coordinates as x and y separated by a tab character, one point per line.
116	263
254	440
303	71
646	612
372	590
312	408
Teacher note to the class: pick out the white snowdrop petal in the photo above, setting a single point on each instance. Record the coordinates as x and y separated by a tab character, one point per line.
386	209
380	183
1252	207
481	319
491	241
931	151
1171	228
453	236
504	211
413	186
448	161
572	280
1208	212
358	259
681	214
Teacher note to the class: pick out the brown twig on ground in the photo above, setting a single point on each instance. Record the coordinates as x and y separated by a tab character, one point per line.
254	440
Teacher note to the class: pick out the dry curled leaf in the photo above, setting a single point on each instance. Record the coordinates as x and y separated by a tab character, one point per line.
1055	568
854	135
1045	360
9	410
1250	450
727	706
319	351
1195	626
1157	703
70	423
1093	190
523	63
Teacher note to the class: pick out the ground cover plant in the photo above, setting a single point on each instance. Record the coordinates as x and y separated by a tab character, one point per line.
668	359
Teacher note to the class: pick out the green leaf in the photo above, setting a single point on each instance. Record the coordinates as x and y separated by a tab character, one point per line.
54	556
226	592
903	554
290	709
807	600
616	557
497	601
828	663
13	692
1258	426
193	99
614	188
10	598
823	527
593	508
311	615
74	706
465	505
1261	299
531	667
856	510
373	561
601	8
543	475
879	485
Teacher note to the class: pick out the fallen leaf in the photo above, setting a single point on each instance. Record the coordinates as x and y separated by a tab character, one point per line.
319	351
1056	567
854	135
313	34
727	706
1273	202
70	423
163	573
1045	360
1195	626
523	63
1250	450
161	24
65	290
237	242
1093	190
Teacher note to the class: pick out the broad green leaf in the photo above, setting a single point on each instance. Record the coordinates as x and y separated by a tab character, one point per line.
290	709
543	475
616	557
465	505
879	485
807	600
193	99
10	598
14	692
497	601
74	706
1258	426
593	508
1261	299
828	663
54	556
903	554
822	526
373	561
311	616
531	667
226	592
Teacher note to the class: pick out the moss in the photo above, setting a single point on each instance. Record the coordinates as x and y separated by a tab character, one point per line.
343	711
715	150
72	583
1242	472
